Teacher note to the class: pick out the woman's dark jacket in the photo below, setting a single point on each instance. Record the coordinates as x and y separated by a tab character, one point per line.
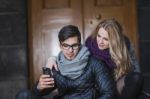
94	83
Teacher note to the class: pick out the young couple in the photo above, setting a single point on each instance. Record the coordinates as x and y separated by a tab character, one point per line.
104	68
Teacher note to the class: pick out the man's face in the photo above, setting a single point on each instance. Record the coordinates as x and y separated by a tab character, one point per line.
70	47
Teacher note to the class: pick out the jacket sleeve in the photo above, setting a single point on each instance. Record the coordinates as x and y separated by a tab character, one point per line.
105	84
133	57
134	60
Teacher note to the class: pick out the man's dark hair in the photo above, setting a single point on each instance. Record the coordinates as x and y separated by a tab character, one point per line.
69	31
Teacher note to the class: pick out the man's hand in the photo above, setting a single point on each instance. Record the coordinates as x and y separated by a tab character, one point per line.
45	82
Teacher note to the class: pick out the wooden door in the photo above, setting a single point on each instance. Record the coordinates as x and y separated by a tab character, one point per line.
123	10
46	17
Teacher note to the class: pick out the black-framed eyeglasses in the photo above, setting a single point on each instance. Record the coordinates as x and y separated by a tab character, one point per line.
73	46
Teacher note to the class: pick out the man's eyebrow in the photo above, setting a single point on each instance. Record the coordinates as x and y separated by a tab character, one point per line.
71	44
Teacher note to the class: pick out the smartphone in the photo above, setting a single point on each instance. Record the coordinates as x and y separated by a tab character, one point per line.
46	71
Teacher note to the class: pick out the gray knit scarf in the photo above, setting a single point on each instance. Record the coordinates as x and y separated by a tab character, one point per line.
73	68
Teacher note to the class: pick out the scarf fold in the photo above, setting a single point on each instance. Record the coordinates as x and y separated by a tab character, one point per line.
73	68
103	55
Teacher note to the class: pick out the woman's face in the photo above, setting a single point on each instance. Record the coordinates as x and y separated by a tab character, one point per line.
102	39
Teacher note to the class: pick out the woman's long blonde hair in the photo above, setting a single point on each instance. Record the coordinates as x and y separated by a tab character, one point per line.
117	46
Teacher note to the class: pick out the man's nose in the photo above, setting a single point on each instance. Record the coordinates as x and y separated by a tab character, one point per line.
70	49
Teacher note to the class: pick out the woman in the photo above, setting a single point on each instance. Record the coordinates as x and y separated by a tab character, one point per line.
107	43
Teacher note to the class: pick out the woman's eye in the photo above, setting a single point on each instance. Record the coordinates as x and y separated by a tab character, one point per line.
105	39
98	36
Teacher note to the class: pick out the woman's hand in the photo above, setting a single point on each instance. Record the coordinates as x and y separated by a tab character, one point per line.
52	63
45	82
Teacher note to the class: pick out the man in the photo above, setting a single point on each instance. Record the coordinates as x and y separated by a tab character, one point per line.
80	76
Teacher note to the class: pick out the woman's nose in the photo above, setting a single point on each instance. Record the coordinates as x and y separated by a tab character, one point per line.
100	41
